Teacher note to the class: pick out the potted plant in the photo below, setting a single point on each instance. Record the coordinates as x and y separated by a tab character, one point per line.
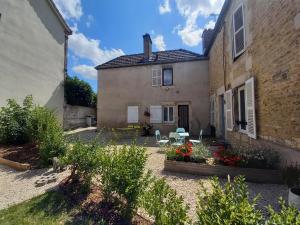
291	175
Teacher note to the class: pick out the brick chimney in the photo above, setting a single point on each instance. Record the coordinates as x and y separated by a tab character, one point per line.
147	46
206	38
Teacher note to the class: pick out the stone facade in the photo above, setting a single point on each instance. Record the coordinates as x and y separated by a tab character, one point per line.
271	57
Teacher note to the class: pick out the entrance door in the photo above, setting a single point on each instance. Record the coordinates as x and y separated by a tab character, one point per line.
183	116
222	116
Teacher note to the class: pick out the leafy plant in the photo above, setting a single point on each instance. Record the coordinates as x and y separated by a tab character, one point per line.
291	175
84	161
14	121
122	174
288	215
79	92
47	133
227	205
162	203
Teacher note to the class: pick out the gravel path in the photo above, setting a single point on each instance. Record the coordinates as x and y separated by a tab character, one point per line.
188	185
16	187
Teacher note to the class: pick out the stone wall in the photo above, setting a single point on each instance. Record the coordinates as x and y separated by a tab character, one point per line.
75	116
272	32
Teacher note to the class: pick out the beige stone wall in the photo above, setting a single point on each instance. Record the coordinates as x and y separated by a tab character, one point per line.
122	87
75	116
272	58
32	43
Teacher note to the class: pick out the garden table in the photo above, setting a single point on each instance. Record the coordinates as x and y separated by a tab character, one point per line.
184	136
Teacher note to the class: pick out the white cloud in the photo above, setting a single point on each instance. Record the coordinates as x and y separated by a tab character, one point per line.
90	19
70	9
191	10
210	25
86	71
165	7
86	48
159	42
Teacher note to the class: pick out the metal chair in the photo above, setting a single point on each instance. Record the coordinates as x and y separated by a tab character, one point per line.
180	130
199	141
159	140
175	139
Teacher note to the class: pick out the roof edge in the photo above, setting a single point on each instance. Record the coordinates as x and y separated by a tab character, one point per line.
60	17
152	63
219	25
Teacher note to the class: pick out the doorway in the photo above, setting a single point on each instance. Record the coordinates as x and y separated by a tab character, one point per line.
183	117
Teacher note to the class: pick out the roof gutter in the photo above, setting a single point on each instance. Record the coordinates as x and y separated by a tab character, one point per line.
68	30
218	26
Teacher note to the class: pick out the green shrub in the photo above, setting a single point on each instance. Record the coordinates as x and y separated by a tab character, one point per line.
161	202
122	174
286	216
227	205
84	161
79	92
47	133
14	121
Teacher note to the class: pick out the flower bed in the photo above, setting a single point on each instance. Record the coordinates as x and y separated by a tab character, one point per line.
255	165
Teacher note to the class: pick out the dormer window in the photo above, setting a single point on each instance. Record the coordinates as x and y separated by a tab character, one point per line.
167	77
238	31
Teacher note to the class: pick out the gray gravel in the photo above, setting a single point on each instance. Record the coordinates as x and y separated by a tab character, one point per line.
188	185
16	187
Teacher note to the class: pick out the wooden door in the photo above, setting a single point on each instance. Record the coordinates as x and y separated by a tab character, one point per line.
183	117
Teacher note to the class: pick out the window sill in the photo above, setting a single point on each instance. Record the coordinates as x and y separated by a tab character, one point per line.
169	123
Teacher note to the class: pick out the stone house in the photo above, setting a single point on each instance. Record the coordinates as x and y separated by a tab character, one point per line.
33	49
168	89
254	71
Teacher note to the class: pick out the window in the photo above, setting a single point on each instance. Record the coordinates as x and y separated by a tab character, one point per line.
168	77
168	114
156	77
242	122
238	31
132	114
228	110
155	114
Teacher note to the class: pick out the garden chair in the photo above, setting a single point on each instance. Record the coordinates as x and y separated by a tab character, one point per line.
180	130
199	141
160	141
175	139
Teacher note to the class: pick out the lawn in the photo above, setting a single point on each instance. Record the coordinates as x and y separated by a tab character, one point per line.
47	209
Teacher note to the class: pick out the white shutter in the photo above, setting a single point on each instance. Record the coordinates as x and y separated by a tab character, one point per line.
238	31
156	77
133	114
250	108
155	114
228	107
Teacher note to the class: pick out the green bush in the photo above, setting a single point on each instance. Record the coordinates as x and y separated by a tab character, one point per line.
286	216
79	92
227	205
122	174
161	202
47	133
15	121
84	161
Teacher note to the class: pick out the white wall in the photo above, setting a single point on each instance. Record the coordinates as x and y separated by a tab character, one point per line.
31	53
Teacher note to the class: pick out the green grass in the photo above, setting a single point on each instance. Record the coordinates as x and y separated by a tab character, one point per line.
47	209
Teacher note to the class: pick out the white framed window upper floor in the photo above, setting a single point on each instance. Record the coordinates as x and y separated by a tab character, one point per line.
156	77
238	23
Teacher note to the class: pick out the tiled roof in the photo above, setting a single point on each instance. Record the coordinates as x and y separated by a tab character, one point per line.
161	57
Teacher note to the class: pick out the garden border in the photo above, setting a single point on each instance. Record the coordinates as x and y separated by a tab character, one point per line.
15	165
251	174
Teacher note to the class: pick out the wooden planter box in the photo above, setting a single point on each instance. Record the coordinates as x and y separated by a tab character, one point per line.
251	174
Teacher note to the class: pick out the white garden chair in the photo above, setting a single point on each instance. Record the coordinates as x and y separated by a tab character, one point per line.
199	141
159	141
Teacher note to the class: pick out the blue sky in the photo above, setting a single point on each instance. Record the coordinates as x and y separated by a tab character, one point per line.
105	29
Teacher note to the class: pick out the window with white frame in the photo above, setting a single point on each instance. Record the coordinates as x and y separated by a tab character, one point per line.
156	77
242	122
155	114
238	31
168	114
132	114
167	77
